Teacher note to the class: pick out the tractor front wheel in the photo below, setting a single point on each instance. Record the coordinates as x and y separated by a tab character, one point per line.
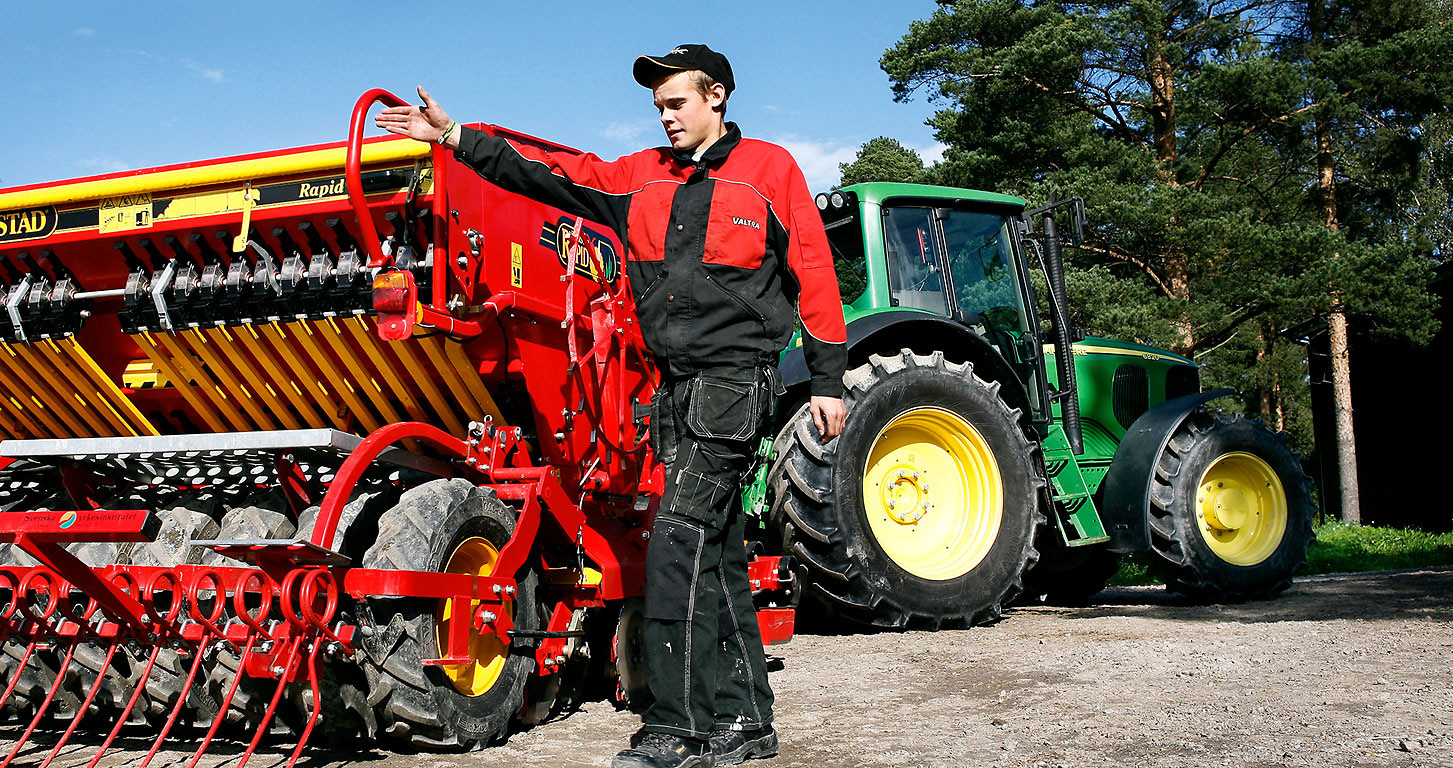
923	512
449	526
1231	510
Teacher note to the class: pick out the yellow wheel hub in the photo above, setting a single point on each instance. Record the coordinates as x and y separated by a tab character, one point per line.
476	557
933	494
1241	508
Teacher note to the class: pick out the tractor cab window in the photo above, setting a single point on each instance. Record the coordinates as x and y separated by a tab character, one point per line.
981	263
915	262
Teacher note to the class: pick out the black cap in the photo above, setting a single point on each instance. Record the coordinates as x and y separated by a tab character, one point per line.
649	69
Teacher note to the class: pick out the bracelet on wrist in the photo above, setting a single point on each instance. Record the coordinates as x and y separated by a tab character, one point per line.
443	137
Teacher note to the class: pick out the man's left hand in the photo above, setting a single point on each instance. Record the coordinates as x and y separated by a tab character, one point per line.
828	415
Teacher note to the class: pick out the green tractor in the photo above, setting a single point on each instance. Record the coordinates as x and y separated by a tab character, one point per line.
988	455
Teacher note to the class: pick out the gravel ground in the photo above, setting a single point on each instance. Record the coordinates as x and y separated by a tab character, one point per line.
1342	670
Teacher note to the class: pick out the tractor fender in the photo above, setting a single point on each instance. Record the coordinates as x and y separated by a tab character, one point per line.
1126	491
890	331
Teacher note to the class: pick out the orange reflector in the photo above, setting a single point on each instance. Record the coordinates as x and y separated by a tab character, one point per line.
394	294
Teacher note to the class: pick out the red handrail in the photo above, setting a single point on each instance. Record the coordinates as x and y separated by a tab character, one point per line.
353	170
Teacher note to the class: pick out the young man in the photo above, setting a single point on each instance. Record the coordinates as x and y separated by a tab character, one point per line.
722	238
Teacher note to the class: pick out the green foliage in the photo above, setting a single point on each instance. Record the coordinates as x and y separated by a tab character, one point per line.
1192	131
1339	548
882	159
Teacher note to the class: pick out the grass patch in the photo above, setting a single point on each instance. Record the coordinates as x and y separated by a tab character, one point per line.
1339	548
1342	548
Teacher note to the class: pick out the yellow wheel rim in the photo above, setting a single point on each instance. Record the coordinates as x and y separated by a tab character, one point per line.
933	494
476	557
1241	508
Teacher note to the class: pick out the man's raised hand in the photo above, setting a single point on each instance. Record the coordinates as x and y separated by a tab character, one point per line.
423	123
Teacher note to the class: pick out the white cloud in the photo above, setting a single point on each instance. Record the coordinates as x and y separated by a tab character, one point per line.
819	160
83	32
933	153
102	164
215	75
632	132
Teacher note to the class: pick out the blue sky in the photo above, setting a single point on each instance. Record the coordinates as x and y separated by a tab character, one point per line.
102	87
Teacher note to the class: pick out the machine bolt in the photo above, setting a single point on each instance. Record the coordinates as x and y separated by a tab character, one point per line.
925	505
471	461
901	474
488	617
923	487
463	262
510	590
498	589
891	505
645	535
334	648
266	646
560	660
278	670
549	662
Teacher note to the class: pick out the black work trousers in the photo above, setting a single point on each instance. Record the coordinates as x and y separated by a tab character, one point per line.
703	648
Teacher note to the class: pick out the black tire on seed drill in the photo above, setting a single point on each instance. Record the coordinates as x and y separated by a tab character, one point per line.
417	703
124	672
1184	559
44	664
261	516
818	505
342	688
191	517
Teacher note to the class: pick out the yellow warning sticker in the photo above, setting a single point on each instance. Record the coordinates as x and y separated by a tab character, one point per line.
119	214
517	265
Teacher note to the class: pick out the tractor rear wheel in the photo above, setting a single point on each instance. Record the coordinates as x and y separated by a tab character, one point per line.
923	512
448	526
1231	510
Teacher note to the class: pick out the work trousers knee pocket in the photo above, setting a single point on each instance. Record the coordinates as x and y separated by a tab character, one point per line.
673	564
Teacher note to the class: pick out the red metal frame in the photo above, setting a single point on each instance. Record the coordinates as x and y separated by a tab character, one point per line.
541	319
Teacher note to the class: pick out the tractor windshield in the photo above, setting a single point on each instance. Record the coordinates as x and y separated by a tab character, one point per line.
955	263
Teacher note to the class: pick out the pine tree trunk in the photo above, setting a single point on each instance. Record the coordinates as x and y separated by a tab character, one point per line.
1161	77
1342	398
1337	318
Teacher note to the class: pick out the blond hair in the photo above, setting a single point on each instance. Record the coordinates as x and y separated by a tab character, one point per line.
702	82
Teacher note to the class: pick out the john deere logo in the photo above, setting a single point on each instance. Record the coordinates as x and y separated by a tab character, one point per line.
557	237
68	520
28	224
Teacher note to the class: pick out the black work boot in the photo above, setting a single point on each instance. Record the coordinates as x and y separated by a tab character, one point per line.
662	750
737	747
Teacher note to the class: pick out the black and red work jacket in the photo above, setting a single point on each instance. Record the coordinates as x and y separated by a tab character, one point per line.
719	250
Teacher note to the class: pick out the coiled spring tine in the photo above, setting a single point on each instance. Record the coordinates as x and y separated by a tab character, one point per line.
40	712
85	705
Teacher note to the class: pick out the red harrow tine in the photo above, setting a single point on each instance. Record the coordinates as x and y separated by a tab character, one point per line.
317	702
80	713
226	700
20	668
176	708
130	705
291	656
40	711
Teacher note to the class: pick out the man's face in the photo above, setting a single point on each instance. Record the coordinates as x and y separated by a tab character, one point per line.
688	117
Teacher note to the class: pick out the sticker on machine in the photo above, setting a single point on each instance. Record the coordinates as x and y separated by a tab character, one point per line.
126	212
27	224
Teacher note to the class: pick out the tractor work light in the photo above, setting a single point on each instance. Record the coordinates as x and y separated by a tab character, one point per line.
838	199
394	297
821	201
